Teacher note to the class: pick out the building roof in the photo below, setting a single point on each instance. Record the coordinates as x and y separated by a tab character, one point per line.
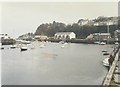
63	33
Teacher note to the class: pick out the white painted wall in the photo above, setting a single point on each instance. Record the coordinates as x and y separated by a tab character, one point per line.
72	35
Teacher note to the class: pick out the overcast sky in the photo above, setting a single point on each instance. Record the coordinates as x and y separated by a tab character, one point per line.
20	17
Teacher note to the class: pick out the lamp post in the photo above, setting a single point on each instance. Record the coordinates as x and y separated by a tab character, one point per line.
108	30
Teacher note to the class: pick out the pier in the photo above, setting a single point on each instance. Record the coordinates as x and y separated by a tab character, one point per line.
114	71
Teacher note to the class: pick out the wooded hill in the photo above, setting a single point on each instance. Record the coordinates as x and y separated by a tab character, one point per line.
80	31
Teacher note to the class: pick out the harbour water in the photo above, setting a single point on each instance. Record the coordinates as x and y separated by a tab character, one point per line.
73	64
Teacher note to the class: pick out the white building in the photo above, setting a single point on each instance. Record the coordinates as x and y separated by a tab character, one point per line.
101	36
41	37
5	36
64	35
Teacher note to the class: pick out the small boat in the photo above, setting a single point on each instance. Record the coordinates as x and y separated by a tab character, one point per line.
25	42
2	47
65	43
62	46
96	42
116	43
13	46
32	47
61	42
23	48
42	45
102	43
106	53
106	62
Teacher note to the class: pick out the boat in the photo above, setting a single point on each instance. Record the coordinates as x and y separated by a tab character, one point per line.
61	42
42	45
106	53
2	47
23	42
23	48
65	43
96	42
106	62
13	46
62	46
102	43
116	43
32	47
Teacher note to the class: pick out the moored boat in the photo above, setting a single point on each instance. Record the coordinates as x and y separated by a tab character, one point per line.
102	43
106	62
13	46
116	43
42	45
23	48
106	53
1	47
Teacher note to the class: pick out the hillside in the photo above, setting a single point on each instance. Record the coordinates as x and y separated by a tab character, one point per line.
82	28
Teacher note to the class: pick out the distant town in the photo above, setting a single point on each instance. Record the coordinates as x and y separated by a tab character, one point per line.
85	31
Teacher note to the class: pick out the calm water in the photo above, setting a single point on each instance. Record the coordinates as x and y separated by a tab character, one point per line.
75	64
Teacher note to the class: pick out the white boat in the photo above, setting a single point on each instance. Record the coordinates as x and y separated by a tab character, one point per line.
23	41
106	62
65	43
96	42
116	43
13	46
61	42
32	47
102	43
1	47
62	46
23	48
42	45
104	51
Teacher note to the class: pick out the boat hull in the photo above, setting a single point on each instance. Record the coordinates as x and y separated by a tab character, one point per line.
23	49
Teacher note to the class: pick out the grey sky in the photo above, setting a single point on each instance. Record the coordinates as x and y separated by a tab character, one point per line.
19	18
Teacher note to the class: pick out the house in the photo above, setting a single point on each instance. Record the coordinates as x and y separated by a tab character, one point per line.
41	37
64	35
101	36
83	22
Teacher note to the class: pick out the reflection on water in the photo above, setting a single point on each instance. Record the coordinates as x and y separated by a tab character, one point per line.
75	64
49	55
